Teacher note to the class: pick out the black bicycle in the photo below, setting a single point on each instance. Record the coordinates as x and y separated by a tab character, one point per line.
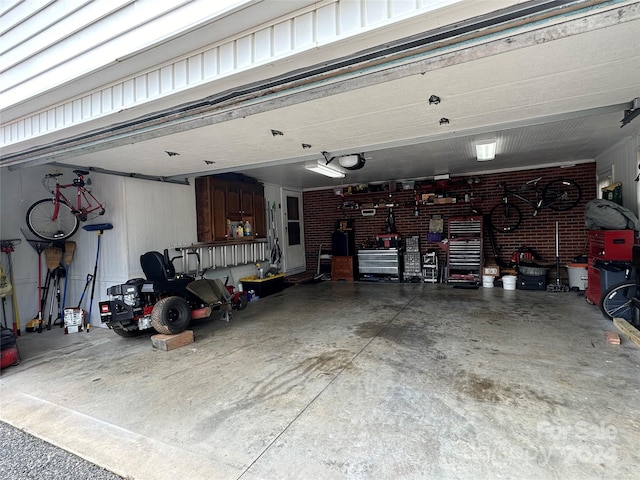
559	195
621	301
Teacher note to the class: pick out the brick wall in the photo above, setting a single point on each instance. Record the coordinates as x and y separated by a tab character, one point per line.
322	210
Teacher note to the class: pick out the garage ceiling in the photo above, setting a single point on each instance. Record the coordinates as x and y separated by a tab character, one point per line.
552	93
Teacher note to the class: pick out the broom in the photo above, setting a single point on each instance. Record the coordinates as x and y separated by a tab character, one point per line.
53	257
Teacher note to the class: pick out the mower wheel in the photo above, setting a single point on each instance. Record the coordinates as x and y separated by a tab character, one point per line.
170	315
126	333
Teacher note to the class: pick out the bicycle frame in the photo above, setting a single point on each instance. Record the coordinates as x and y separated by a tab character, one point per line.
536	205
559	195
77	208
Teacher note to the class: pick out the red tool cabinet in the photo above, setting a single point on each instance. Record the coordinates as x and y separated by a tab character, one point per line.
606	245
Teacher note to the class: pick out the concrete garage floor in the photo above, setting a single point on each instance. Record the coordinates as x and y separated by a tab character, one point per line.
346	380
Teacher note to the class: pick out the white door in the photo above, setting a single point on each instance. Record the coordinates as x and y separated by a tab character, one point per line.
294	257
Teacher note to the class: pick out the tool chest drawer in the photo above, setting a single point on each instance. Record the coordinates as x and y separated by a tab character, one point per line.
611	244
387	261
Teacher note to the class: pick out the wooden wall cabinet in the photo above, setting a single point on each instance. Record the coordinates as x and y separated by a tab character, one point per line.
259	216
219	200
204	210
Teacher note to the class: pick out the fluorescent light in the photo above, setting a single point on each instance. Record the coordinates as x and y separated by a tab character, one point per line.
323	169
486	150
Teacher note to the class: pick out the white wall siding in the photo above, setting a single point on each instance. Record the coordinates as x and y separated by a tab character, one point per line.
108	39
159	215
622	159
145	216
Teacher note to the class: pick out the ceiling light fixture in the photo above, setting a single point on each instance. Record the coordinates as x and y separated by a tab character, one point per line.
354	161
486	149
434	99
305	146
276	133
348	161
325	170
444	121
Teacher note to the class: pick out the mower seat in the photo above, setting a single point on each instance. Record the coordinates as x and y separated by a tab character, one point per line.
161	276
156	267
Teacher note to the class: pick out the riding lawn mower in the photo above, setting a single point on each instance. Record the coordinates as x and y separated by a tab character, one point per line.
165	301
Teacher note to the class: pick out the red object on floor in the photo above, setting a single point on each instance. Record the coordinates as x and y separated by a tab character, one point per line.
9	356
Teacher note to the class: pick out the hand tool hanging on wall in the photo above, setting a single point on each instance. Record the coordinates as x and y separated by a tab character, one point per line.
69	250
8	247
58	273
5	290
53	257
39	246
100	228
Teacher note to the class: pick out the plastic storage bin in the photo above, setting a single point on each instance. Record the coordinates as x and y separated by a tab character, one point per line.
610	275
532	282
263	286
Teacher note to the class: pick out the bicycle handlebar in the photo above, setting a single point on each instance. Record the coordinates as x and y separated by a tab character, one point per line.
534	180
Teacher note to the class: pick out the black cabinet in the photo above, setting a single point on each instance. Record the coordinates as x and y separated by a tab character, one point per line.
343	243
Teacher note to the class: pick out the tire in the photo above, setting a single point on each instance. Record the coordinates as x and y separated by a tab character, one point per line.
561	195
616	302
505	217
40	223
170	315
126	333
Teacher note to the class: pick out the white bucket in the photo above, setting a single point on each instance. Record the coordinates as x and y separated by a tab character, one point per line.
578	275
509	282
487	281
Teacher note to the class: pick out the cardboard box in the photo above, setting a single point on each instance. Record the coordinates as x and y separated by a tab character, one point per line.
491	270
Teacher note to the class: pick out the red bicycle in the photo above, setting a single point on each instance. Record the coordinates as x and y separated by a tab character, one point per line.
58	218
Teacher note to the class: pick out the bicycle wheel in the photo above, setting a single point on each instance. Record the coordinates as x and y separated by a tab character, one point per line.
39	220
561	194
505	217
616	302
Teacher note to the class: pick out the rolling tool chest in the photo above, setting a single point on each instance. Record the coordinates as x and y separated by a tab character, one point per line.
464	256
606	246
